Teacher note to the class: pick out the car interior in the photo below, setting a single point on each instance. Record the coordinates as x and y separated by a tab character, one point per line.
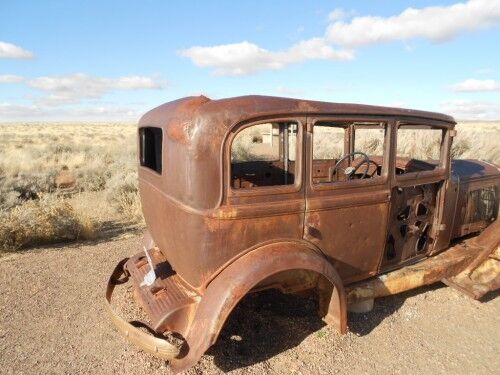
264	154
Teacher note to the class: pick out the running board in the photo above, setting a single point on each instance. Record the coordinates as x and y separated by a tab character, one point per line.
472	267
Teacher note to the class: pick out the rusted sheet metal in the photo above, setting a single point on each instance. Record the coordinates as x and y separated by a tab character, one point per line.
483	279
473	169
169	301
461	259
482	275
211	243
240	277
193	189
150	344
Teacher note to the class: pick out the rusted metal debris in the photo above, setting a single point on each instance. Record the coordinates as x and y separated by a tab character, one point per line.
223	223
483	273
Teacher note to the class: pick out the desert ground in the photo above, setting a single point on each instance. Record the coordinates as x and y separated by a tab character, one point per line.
69	210
52	321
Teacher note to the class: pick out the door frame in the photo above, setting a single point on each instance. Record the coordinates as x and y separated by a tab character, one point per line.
438	175
329	197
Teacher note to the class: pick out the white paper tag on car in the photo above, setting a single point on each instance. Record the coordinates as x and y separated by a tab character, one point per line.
150	277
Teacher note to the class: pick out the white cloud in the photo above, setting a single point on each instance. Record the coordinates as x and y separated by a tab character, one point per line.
37	112
136	83
476	85
63	97
338	14
11	51
73	88
472	110
436	23
10	111
10	78
247	58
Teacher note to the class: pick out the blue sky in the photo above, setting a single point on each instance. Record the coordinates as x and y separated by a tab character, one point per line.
113	60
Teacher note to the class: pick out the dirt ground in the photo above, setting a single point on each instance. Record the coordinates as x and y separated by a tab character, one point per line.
52	321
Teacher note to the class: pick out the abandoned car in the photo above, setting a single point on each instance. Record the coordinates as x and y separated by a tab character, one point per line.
353	202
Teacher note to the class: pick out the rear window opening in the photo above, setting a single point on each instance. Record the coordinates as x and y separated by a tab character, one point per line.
150	144
264	155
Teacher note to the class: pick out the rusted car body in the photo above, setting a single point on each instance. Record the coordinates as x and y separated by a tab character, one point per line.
254	192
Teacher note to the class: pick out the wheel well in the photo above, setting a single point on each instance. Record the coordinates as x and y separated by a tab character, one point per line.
252	269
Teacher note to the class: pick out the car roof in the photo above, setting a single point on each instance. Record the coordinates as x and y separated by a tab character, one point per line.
237	109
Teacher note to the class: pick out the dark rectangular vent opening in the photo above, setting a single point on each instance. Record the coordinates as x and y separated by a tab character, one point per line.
482	205
151	148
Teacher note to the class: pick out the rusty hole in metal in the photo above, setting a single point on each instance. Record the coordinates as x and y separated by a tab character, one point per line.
390	250
155	290
423	239
403	215
403	229
422	209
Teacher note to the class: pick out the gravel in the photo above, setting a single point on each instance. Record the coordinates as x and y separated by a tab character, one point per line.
52	321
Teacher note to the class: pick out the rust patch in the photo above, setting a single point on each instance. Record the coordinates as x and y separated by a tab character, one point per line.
306	106
180	132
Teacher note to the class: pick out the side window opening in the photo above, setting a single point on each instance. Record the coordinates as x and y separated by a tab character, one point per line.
370	140
150	145
329	141
264	155
329	146
347	151
419	148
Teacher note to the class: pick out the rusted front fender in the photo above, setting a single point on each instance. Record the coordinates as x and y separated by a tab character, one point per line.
229	287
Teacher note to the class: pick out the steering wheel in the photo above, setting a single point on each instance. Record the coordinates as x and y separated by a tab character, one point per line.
351	171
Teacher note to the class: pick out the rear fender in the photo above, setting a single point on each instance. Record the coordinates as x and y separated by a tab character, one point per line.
235	281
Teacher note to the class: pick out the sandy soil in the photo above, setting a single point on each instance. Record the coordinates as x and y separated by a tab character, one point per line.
52	321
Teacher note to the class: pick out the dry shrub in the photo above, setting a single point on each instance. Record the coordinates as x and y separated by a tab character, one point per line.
243	147
421	144
328	142
44	220
123	194
477	140
102	158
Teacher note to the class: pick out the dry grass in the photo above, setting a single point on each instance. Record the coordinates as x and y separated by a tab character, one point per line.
102	159
44	220
475	140
478	140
